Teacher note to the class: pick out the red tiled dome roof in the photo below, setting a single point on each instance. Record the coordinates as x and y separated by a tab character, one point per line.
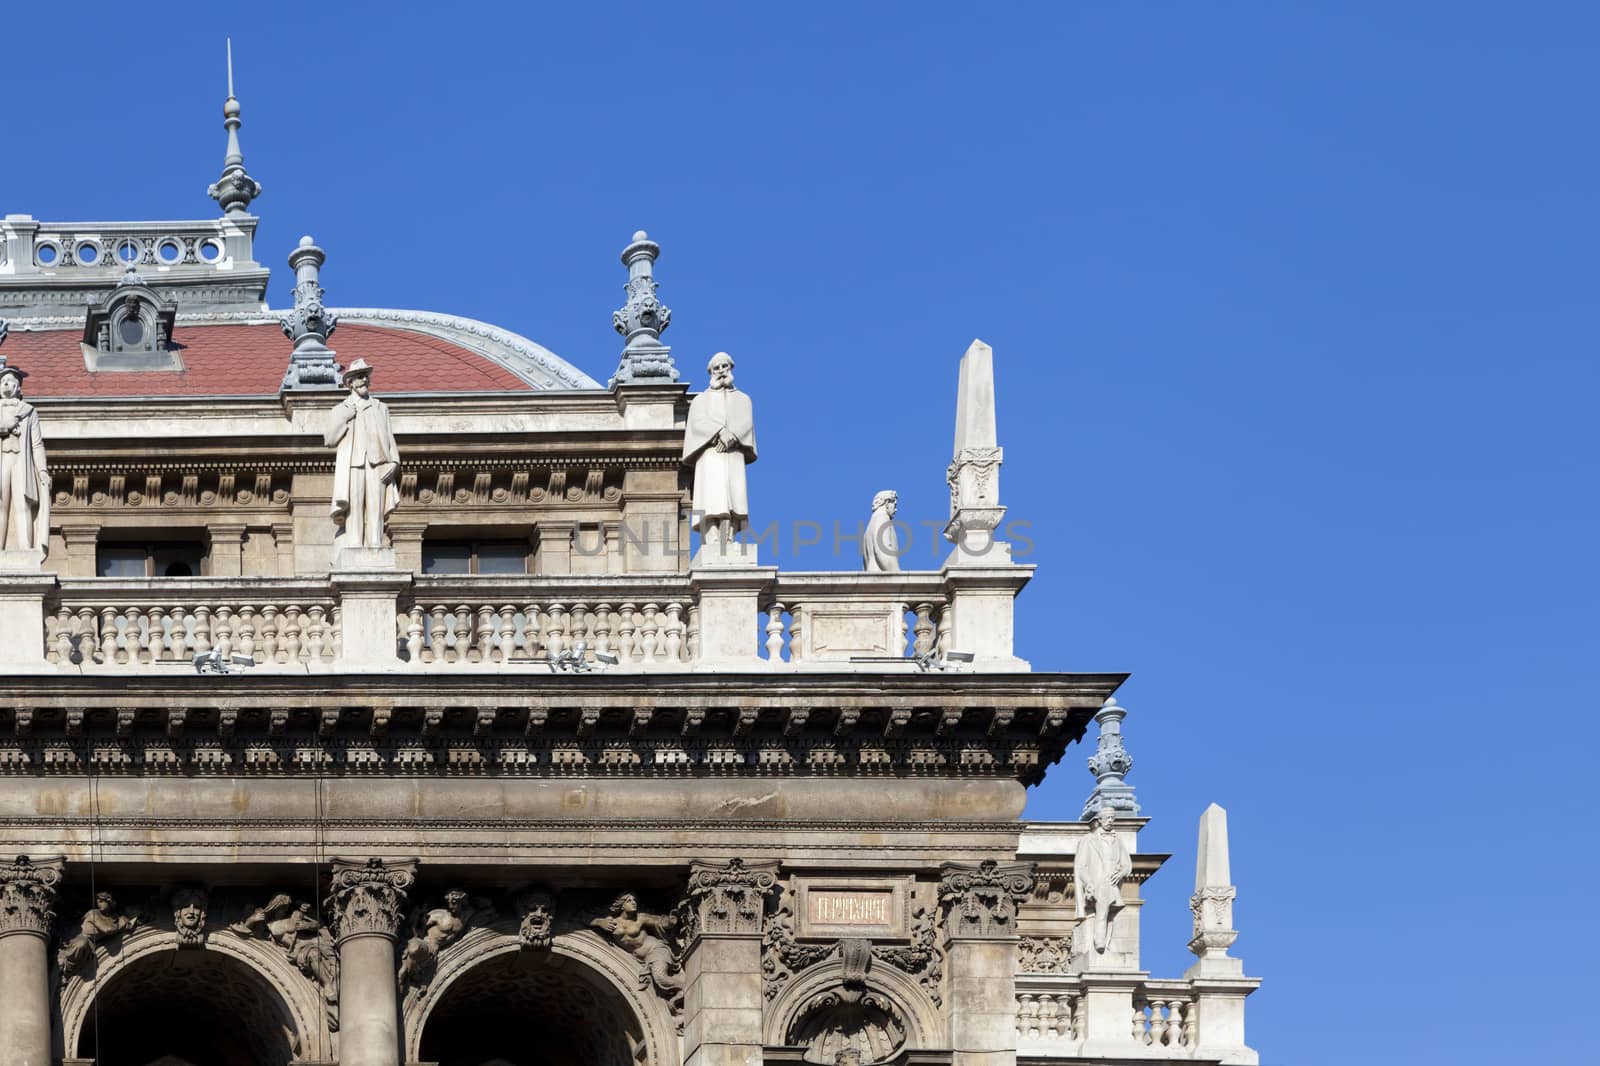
249	360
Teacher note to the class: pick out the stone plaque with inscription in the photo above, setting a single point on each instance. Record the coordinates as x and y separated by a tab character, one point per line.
841	907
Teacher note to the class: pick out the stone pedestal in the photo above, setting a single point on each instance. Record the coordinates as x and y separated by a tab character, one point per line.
1219	1006
1108	1014
368	902
722	1000
23	588
729	600
27	896
982	599
367	587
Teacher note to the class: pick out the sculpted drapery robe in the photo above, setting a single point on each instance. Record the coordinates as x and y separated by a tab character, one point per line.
365	486
25	514
880	545
719	485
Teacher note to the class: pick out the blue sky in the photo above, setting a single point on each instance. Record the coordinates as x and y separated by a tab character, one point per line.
1293	308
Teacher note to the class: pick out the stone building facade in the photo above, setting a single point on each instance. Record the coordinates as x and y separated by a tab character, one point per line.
527	781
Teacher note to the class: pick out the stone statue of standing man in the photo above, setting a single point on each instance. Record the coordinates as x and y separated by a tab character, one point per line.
1098	869
719	441
24	478
367	467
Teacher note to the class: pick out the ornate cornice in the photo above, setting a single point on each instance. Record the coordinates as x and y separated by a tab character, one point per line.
28	895
368	898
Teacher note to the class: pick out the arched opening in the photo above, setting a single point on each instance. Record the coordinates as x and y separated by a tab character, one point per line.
175	1007
532	1009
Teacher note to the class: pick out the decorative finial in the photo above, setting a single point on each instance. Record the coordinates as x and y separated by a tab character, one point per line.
974	471
311	365
235	189
642	319
1110	763
1212	902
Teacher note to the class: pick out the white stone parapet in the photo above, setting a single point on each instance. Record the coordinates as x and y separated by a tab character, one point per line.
801	621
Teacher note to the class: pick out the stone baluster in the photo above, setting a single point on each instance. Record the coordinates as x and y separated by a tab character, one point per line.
202	629
461	631
673	641
602	629
797	629
415	627
1140	1022
922	630
531	637
292	646
89	644
625	642
649	631
154	635
555	628
775	632
27	919
222	632
436	636
336	651
269	635
316	633
578	627
368	903
490	633
246	632
1027	1017
901	643
692	642
60	642
110	649
508	633
946	620
1173	1037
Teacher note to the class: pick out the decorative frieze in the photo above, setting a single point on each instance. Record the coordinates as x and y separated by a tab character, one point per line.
981	901
28	895
368	899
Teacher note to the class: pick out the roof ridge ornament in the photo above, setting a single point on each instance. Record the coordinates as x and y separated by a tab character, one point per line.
311	365
645	360
235	188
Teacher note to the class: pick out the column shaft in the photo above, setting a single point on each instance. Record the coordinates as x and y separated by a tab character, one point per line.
25	1006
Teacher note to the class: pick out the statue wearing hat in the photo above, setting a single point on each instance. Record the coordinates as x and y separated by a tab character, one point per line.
367	467
719	441
24	478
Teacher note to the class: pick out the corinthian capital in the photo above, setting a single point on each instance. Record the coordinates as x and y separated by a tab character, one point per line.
369	897
981	901
731	898
28	895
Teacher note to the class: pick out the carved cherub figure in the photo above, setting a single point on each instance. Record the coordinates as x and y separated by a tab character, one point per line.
100	924
648	938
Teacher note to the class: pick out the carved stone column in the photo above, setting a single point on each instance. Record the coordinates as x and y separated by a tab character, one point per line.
722	965
27	914
980	906
367	903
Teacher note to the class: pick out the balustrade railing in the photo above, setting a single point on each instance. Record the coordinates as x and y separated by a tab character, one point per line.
1052	1018
129	622
461	621
1049	1017
1163	1016
832	617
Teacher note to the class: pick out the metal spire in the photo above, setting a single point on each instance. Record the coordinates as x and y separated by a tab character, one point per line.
236	188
